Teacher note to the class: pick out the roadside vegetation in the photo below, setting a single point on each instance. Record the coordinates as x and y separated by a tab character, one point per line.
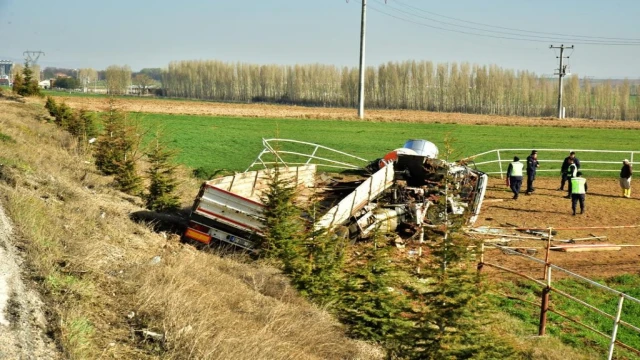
118	289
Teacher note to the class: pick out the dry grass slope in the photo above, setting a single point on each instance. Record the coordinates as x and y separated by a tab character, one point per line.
102	281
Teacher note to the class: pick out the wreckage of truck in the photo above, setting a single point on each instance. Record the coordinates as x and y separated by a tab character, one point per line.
404	191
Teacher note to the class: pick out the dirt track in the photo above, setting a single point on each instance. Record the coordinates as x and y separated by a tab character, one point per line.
546	207
22	320
301	112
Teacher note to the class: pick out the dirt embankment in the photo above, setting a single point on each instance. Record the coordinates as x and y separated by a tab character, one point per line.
163	106
22	322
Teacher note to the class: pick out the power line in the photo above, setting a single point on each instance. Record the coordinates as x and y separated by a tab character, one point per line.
513	29
488	35
546	38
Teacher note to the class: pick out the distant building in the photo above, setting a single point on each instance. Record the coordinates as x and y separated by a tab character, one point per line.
45	84
5	69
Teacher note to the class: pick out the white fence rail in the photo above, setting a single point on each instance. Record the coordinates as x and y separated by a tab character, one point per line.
491	162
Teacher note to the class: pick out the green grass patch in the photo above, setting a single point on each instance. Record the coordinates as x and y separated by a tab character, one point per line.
569	332
6	139
215	143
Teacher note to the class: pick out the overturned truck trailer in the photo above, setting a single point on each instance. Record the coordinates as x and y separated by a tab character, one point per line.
403	191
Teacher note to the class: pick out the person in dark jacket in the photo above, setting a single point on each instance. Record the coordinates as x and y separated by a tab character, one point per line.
625	178
514	175
578	192
565	168
571	173
532	165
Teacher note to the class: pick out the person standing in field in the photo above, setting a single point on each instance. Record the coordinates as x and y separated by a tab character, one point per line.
565	168
578	192
532	165
514	176
571	173
625	178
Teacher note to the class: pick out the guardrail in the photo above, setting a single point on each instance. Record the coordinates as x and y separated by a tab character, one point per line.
288	152
547	288
604	160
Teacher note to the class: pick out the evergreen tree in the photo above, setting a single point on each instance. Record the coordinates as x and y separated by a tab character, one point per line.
285	230
117	151
18	83
51	106
127	177
161	173
323	278
65	117
373	304
29	86
451	299
111	145
88	120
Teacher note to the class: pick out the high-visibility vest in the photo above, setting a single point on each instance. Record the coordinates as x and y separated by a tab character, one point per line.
516	168
577	185
572	170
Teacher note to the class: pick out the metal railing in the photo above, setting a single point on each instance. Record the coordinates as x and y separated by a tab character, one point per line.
547	288
287	152
495	159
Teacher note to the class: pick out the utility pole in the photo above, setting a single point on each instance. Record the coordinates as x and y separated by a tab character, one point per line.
562	71
363	29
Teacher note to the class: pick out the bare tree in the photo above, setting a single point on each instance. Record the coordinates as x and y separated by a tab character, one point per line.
118	79
143	82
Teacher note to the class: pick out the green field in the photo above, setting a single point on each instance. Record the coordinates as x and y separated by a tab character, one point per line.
215	143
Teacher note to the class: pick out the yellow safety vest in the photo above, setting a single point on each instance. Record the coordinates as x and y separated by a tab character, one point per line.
577	185
516	168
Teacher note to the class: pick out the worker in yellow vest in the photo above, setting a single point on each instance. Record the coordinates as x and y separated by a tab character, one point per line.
514	176
578	192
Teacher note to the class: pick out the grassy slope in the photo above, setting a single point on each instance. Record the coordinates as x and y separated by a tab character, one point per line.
93	264
233	143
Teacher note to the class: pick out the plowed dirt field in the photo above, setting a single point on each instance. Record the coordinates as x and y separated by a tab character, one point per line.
163	106
546	207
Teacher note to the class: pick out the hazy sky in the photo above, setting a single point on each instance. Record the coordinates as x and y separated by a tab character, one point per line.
151	33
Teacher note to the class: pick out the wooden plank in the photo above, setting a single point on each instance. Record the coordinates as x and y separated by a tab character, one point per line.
587	247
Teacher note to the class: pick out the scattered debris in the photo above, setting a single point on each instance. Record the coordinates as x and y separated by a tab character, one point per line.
402	192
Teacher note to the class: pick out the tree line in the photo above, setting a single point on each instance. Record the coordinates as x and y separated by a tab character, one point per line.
416	85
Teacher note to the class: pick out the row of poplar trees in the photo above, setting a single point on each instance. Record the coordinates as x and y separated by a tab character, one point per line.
118	150
428	307
418	85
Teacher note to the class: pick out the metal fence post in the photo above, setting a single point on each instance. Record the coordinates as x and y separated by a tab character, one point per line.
631	159
546	256
616	323
500	164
